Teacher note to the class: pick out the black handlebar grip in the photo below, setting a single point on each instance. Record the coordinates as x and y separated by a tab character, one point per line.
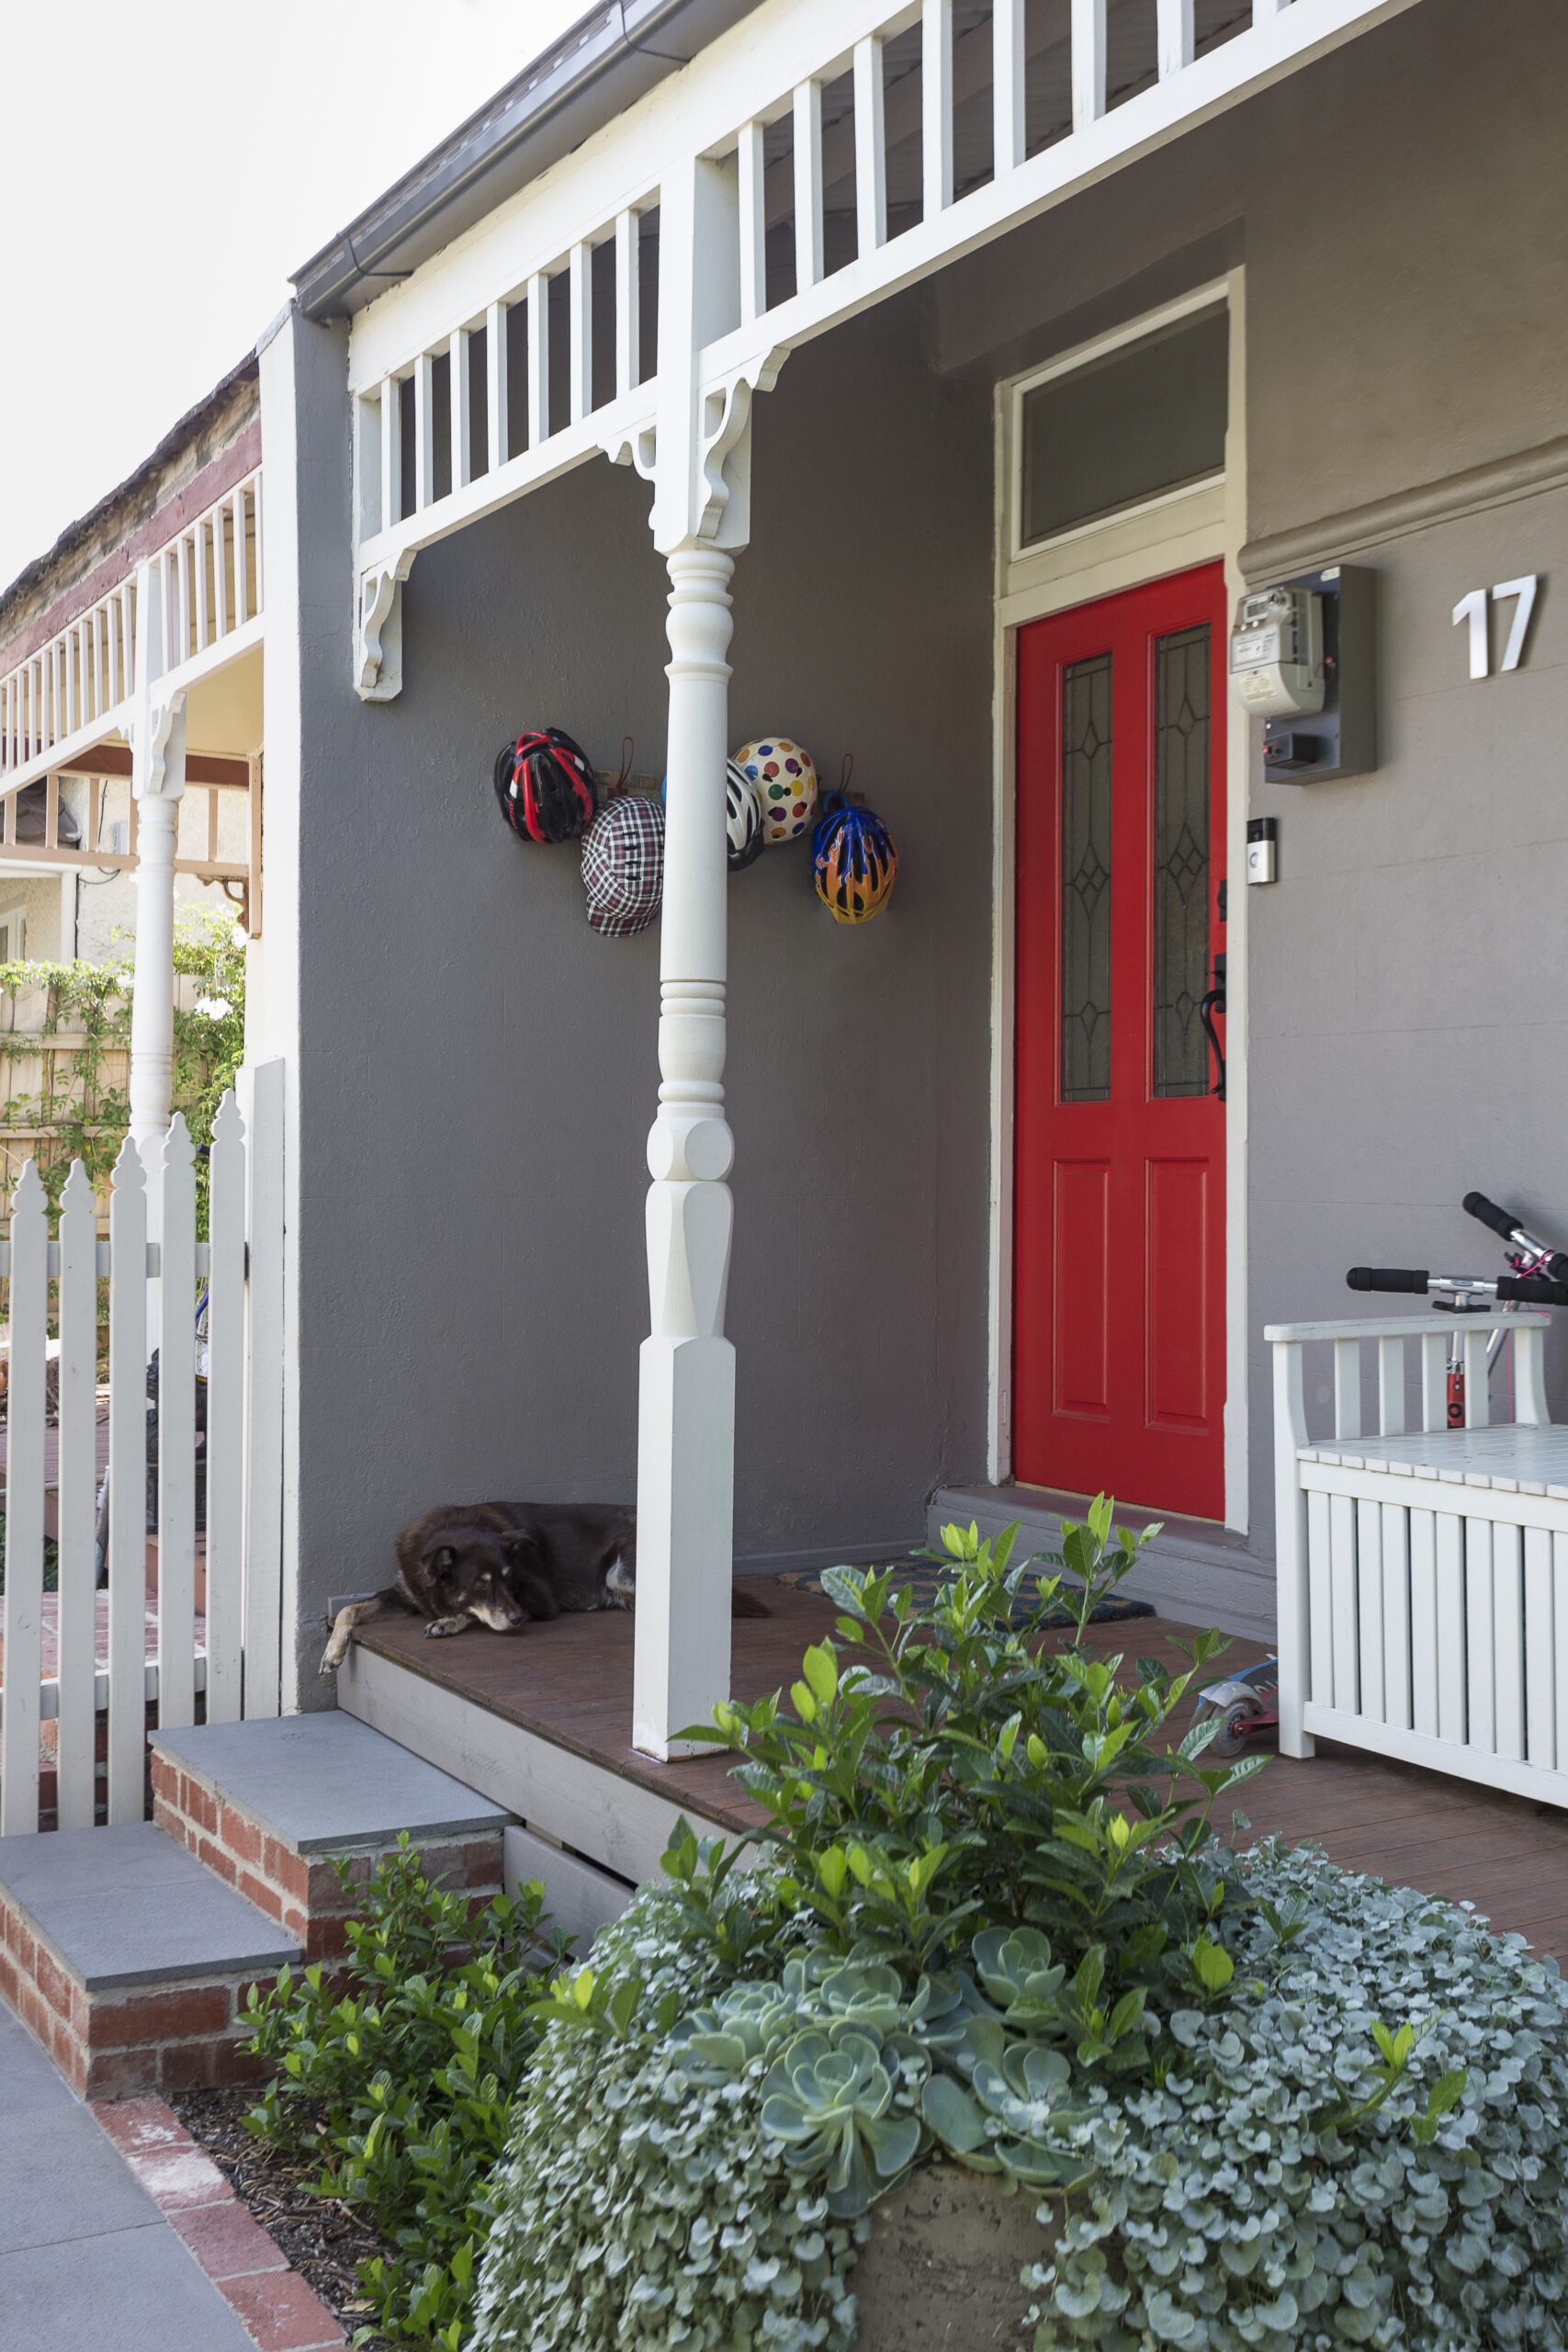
1488	1212
1534	1289
1387	1278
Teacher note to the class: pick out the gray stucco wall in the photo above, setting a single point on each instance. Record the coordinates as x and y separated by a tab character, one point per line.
477	1069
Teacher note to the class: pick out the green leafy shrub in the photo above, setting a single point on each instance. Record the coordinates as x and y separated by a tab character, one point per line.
942	1770
404	2087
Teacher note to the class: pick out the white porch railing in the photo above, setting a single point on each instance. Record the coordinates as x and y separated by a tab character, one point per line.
228	1651
77	687
1423	1573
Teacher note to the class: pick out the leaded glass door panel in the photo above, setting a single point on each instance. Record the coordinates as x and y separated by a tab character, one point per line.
1119	1195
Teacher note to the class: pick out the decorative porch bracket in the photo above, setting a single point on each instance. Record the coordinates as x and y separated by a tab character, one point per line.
700	465
378	635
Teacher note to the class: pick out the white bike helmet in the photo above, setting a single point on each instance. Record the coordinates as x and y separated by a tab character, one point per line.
742	817
787	784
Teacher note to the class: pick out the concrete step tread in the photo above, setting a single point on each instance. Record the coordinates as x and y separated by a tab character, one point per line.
126	1905
327	1783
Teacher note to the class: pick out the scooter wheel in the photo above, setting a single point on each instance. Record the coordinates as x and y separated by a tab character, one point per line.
1230	1740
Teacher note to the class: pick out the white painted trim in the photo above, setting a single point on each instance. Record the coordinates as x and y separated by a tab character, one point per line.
1151	542
1211	297
15	911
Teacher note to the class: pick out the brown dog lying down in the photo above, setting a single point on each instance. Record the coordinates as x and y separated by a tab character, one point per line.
503	1564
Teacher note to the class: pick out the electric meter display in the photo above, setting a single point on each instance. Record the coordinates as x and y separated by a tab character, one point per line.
1276	665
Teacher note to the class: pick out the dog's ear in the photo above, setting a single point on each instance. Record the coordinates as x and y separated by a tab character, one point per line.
443	1559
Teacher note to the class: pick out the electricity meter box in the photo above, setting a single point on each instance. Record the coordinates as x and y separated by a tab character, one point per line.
1300	658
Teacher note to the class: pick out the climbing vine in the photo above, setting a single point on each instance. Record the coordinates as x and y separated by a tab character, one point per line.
82	1108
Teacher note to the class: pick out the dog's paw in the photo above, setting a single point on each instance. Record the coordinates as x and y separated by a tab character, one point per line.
332	1656
439	1627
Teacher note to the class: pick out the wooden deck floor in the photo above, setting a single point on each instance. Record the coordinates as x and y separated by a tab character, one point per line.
571	1683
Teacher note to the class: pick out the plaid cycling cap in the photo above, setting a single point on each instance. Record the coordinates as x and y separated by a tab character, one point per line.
623	864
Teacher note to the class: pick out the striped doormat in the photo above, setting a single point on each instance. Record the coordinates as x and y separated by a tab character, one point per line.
926	1578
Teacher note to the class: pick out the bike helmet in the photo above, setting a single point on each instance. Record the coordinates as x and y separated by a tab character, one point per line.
786	782
853	861
623	864
545	785
743	834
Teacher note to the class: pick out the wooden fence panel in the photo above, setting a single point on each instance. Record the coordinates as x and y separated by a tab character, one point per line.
24	1506
225	1414
128	1487
176	1433
76	1516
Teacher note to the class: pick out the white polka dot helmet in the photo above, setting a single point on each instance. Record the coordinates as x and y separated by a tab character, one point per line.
787	784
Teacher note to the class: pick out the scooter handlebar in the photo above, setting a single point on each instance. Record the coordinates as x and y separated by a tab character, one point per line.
1406	1278
1488	1212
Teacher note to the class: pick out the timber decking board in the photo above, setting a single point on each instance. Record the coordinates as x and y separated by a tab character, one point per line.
570	1682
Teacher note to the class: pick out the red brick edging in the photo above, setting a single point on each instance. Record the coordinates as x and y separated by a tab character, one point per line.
273	2304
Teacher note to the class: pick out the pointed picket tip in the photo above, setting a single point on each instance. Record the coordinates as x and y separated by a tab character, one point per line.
178	1149
78	1189
29	1194
129	1174
229	1127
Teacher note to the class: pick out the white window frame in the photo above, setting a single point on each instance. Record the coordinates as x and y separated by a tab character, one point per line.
15	911
1200	522
1212	297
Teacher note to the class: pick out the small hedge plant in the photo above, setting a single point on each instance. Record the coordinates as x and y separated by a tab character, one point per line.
403	2088
1263	2104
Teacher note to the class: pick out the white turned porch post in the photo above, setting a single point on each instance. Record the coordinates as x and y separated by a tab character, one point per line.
686	1397
158	783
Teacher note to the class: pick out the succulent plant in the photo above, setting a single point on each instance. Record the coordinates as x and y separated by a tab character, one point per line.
1018	2119
828	2100
743	2022
1015	1967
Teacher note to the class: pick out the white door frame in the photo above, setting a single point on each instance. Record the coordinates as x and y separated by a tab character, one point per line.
1171	533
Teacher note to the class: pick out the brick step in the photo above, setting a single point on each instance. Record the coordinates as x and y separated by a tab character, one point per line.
130	1960
267	1805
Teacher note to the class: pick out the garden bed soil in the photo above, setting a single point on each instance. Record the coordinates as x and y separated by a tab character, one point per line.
323	2238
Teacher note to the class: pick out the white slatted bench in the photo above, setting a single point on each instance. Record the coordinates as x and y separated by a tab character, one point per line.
1423	1573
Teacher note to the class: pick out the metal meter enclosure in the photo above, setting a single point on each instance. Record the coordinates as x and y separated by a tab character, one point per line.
1307	741
1277	651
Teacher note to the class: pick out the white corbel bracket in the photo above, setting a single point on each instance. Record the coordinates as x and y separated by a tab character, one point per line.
158	768
724	452
378	638
636	446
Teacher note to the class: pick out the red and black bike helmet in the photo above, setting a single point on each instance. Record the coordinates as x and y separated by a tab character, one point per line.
545	785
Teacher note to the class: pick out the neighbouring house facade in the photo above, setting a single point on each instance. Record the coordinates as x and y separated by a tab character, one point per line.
968	364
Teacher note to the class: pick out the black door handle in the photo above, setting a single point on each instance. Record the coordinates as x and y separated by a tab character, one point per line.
1211	1002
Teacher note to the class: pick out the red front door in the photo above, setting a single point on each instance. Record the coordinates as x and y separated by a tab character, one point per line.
1119	1215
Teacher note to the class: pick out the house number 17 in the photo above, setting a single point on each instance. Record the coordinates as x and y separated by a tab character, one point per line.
1473	608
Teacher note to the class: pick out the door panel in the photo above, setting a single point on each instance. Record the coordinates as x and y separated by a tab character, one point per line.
1118	1241
1083	1313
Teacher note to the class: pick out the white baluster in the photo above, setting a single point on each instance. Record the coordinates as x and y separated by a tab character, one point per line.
1089	61
1008	133
24	1505
77	1490
1290	1549
580	307
423	433
871	148
1175	36
176	1432
457	365
241	583
199	539
225	1412
115	617
807	186
221	569
753	201
936	104
392	463
264	1453
261	572
495	386
628	303
539	361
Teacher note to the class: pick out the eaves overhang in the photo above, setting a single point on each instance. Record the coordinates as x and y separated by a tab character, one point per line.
603	65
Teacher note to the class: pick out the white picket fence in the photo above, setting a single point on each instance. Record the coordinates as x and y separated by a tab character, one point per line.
1423	1572
154	1278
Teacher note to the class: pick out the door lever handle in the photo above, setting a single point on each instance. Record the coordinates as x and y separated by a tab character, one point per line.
1213	1002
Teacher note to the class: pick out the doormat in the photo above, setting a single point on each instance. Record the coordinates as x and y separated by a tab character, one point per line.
926	1578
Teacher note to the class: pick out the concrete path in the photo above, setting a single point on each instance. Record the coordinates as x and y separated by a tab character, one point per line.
88	2261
